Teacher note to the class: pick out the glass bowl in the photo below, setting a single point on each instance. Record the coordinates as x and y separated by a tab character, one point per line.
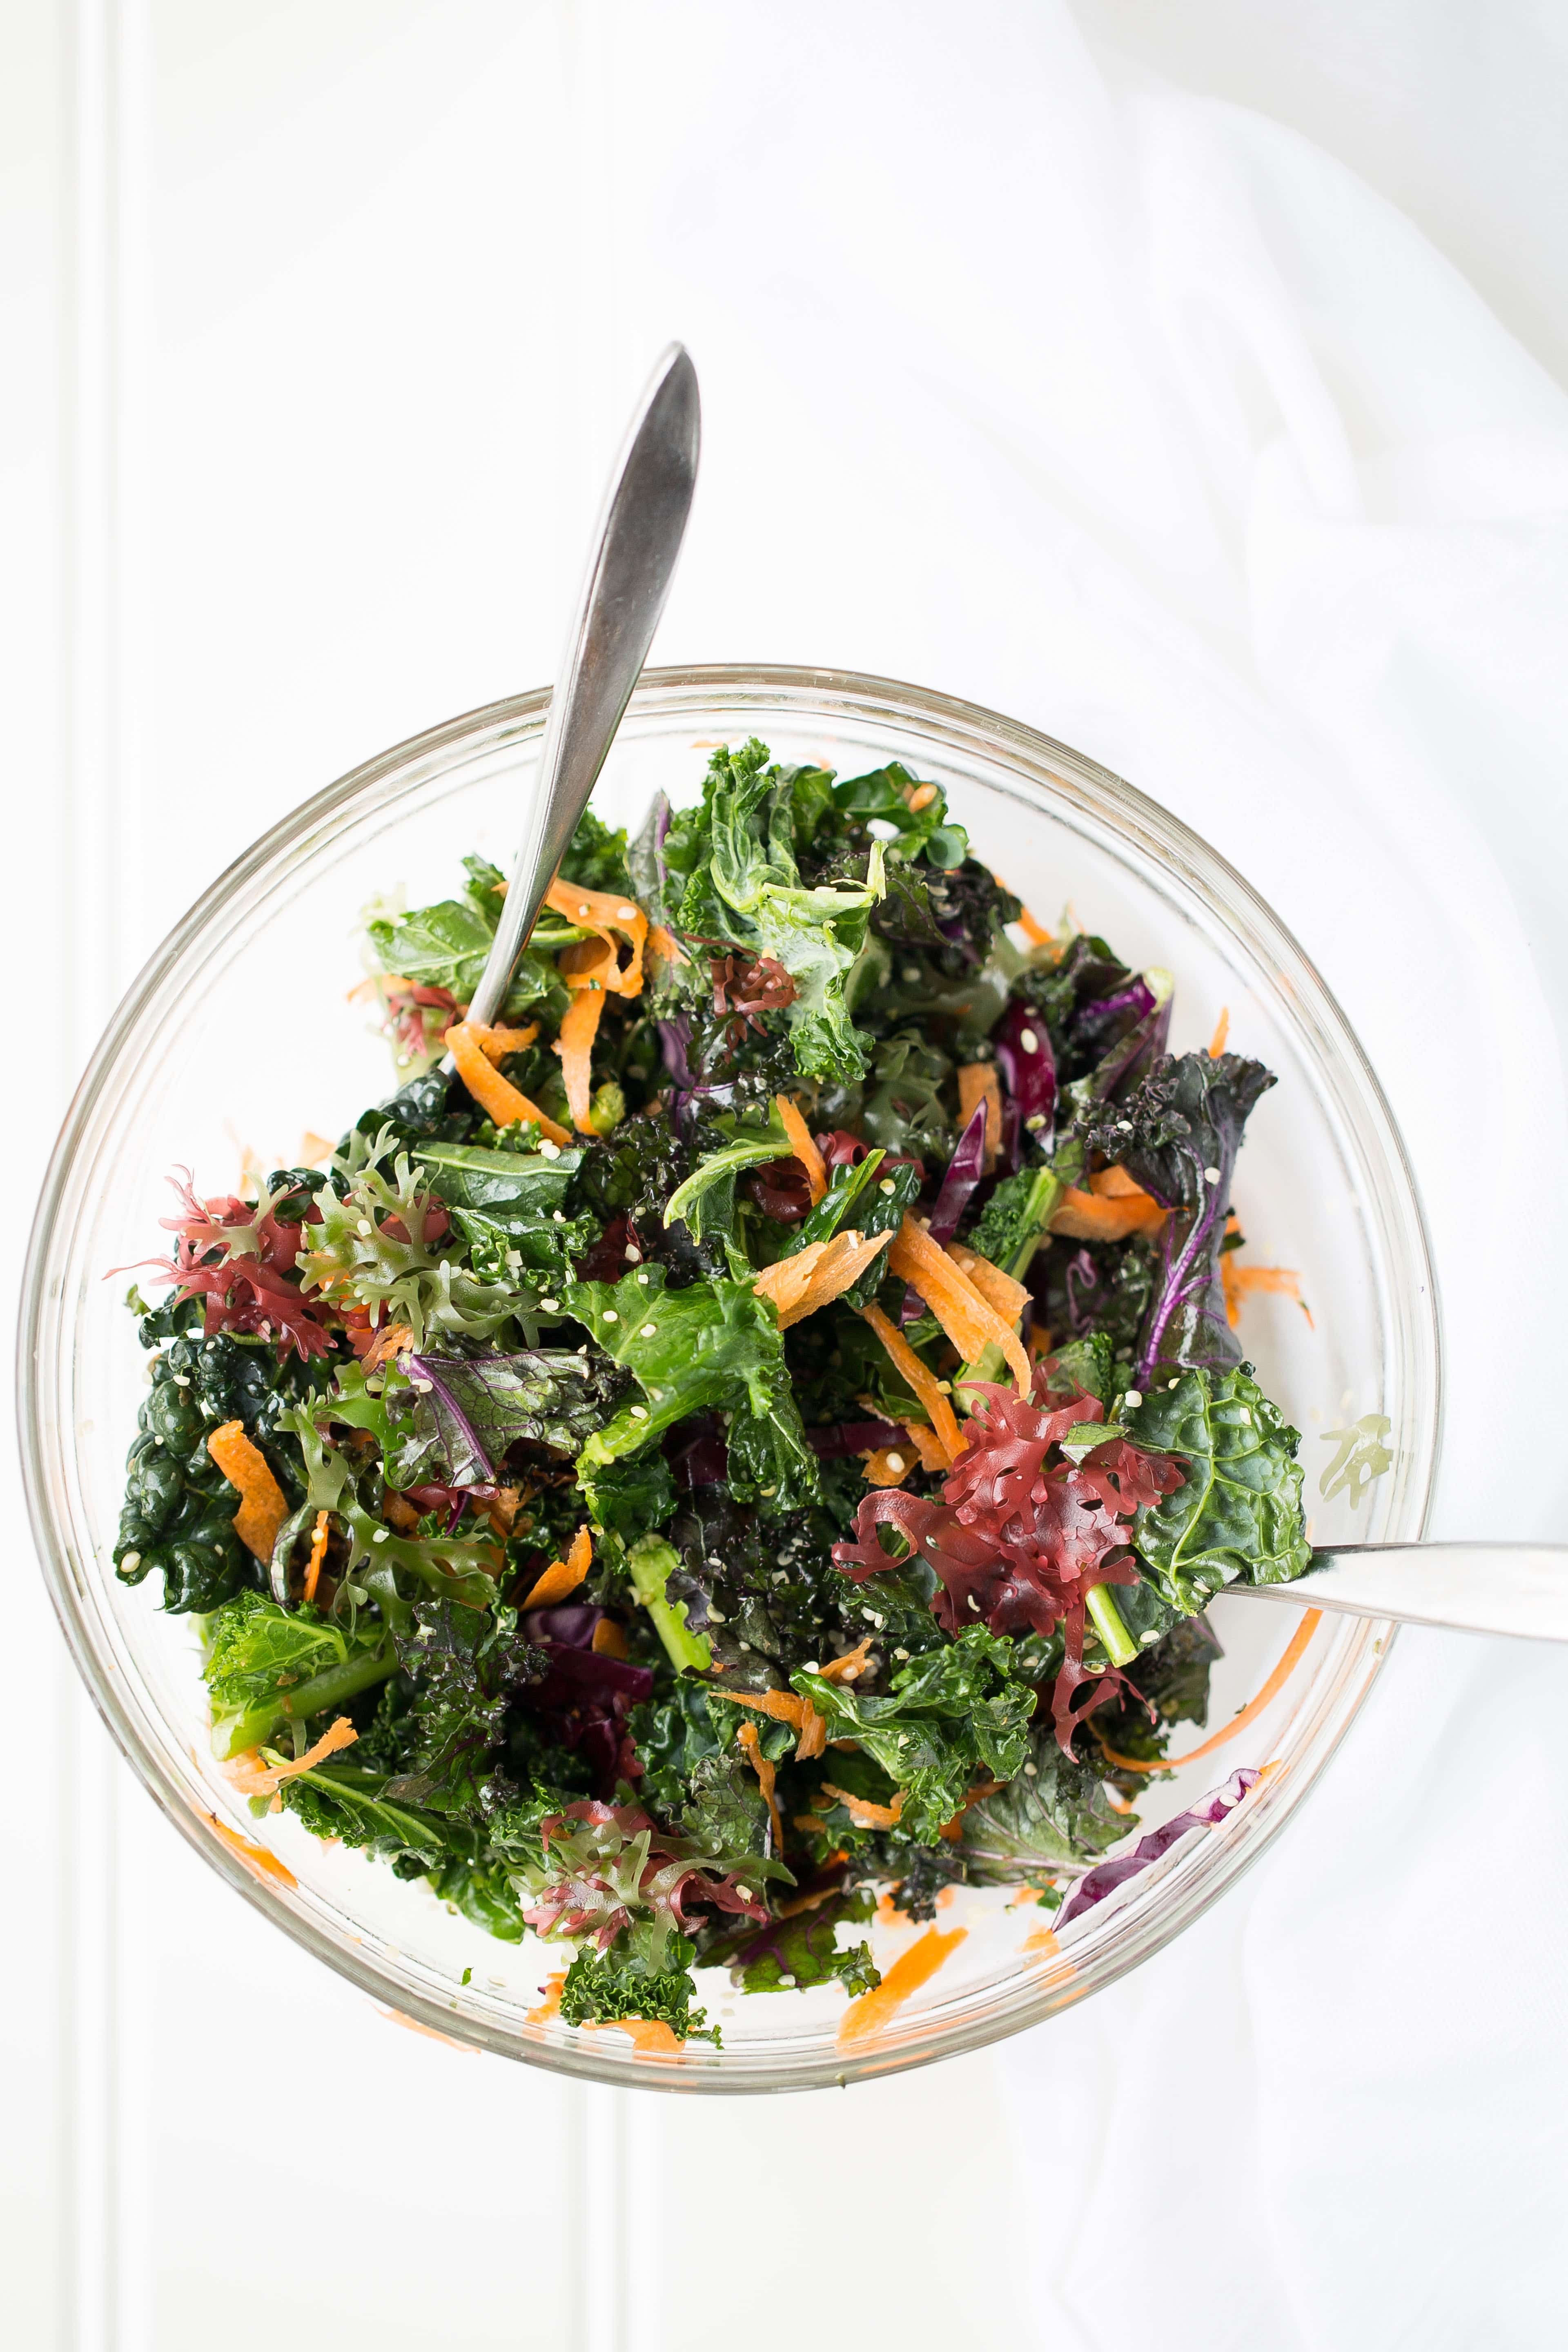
199	1064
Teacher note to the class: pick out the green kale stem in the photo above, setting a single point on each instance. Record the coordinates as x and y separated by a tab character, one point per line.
649	1564
1120	1648
322	1692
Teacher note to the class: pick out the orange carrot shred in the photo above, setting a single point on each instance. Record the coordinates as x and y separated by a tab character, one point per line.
766	1776
785	1706
1238	1282
963	1314
564	1576
978	1083
1036	933
664	945
493	1093
254	1778
262	1508
608	1641
615	918
886	1465
802	1147
1249	1713
924	1383
850	1666
928	1446
863	1812
259	1860
1221	1032
318	1554
1095	1217
574	1045
912	1970
1005	1296
497	1041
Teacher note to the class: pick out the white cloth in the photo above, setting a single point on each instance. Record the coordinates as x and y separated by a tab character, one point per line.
1132	414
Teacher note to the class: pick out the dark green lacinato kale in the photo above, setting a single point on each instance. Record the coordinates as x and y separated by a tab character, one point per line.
178	1512
610	1602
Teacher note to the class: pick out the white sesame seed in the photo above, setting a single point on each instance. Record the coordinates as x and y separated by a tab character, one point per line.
1029	1042
550	1306
648	1329
1132	1398
582	914
1036	1122
639	1413
559	1215
365	1226
380	1535
627	914
130	1563
643	1278
610	1315
900	1654
895	1461
886	1185
1211	1175
548	1150
1031	1771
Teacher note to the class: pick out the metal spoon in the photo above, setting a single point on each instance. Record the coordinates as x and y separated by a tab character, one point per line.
624	590
1479	1587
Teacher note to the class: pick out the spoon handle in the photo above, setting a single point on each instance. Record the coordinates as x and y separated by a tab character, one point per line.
624	590
1472	1588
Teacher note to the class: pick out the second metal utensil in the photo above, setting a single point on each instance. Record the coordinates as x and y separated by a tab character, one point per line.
624	590
1471	1588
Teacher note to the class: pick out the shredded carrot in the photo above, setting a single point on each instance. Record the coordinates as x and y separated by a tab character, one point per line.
389	1341
932	1453
766	1776
912	1970
863	1812
574	1045
1238	1282
259	1860
850	1666
608	1641
431	2033
1249	1713
253	1779
615	920
1036	933
497	1041
978	1083
1102	1217
1043	1944
649	2036
563	1576
1221	1032
969	1323
318	1554
493	1093
885	1466
802	1147
262	1506
503	1510
927	1388
551	2004
1039	1342
1116	1184
664	945
1001	1293
315	1149
786	1706
398	1512
818	1274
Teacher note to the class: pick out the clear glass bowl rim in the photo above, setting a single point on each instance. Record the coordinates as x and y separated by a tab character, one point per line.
958	726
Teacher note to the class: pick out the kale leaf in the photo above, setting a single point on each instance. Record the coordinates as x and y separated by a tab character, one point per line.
948	1713
712	1345
1054	1815
736	856
602	1987
1178	1133
794	1953
1239	1512
467	1412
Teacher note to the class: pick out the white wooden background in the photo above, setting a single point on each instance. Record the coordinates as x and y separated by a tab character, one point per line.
321	318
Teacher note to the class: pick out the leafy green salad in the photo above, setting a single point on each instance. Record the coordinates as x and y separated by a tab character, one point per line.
749	1434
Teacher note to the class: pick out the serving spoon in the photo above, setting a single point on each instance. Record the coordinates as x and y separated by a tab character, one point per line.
632	562
1472	1588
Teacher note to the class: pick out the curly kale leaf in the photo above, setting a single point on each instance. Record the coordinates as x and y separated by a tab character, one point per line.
602	1987
345	1801
467	1411
906	1106
714	1345
1056	1815
178	1512
483	1893
1012	1225
466	1666
257	1647
1178	1133
736	856
1238	1516
949	1713
793	1954
597	856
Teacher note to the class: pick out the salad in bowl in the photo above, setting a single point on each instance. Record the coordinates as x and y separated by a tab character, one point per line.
744	1444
